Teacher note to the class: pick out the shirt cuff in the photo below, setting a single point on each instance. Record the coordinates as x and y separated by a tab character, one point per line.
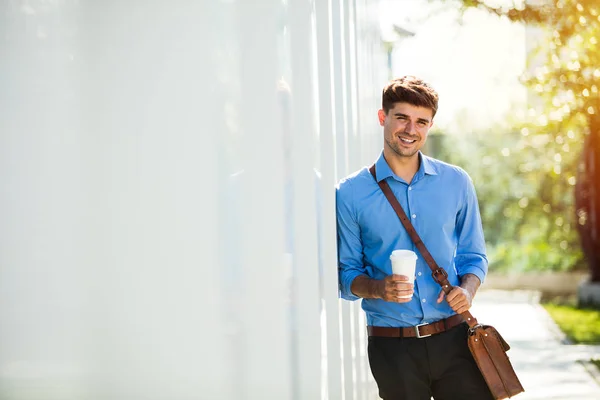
346	285
472	269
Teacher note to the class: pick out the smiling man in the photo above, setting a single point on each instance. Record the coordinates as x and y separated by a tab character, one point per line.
417	341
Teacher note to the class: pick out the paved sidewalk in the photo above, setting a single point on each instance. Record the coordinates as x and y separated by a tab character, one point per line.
547	367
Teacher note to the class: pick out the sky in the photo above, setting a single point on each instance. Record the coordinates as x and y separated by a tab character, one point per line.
474	64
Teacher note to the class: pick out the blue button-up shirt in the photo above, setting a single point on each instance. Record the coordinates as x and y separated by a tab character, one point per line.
441	203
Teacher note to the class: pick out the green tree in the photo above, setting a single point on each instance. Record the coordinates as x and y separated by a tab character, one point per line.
522	202
564	131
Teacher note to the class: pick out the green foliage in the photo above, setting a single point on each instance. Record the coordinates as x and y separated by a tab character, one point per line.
527	184
580	325
526	207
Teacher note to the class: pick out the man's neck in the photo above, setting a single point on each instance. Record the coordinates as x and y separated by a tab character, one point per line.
403	167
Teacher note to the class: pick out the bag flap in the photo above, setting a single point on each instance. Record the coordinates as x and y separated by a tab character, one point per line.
490	330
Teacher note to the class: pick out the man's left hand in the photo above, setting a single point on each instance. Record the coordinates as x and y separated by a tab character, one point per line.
459	299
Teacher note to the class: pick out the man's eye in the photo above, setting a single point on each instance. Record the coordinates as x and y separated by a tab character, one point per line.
421	123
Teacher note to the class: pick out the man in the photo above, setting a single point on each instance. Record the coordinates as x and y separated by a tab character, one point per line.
442	206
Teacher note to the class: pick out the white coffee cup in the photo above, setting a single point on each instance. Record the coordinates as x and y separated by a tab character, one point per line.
404	262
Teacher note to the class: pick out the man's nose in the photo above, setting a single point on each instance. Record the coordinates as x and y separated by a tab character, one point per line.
409	127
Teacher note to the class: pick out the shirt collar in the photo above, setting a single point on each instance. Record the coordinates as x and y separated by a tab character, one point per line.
427	165
383	170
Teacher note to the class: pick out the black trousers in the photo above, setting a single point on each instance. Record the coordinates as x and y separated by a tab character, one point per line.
417	369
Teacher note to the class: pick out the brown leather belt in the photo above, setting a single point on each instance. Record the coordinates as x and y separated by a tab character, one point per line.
419	331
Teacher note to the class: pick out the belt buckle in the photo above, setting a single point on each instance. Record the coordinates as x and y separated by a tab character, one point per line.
419	336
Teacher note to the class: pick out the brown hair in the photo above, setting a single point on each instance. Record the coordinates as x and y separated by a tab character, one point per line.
411	90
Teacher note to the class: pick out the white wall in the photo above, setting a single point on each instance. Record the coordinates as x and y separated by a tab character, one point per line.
163	232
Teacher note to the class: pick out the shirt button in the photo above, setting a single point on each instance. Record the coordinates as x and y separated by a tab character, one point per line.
410	188
414	216
424	300
419	274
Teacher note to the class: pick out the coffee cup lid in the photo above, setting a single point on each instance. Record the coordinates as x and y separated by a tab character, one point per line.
403	254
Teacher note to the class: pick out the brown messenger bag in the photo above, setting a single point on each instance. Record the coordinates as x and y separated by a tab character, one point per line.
487	346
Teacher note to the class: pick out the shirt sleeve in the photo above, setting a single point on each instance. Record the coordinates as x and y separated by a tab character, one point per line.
350	249
470	252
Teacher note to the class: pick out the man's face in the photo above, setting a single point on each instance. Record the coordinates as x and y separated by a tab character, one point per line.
405	128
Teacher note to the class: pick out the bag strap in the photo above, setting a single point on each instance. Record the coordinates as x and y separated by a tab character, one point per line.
439	274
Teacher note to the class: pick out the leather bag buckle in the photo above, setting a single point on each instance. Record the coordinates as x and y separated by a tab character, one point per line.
438	272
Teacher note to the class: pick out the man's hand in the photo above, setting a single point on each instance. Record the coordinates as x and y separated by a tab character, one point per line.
388	289
459	299
395	286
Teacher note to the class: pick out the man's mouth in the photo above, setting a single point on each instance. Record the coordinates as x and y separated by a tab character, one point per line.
407	141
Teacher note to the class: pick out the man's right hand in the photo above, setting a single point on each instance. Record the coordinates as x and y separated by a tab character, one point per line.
394	286
388	289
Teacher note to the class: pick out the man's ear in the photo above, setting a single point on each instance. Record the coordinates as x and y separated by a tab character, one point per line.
381	116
